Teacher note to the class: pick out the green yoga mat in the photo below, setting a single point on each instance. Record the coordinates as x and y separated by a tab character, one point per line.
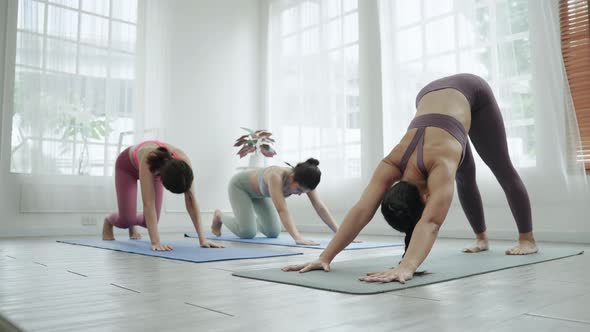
440	266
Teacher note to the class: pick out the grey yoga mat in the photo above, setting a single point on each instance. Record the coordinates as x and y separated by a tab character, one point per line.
440	266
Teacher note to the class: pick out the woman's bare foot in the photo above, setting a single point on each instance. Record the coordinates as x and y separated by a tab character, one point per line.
134	233
478	246
481	243
107	231
216	224
524	247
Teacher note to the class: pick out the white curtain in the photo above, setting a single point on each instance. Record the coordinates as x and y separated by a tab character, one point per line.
80	96
74	86
515	46
313	84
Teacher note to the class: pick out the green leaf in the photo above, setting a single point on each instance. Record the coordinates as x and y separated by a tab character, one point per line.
95	134
248	130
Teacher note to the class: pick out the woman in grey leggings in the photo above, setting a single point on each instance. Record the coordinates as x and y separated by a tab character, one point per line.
258	201
433	155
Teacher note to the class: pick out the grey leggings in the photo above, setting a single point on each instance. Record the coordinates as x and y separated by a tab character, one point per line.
252	212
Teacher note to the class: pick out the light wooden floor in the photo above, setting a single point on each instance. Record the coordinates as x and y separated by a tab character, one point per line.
48	286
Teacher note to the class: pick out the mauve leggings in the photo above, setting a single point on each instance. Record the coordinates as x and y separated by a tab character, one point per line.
126	177
488	136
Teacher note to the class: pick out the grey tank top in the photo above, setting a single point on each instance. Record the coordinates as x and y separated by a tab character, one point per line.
442	121
263	187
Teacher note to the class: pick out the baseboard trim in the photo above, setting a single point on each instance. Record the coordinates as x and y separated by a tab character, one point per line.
540	235
185	226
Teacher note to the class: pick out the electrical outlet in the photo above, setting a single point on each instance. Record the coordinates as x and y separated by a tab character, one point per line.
88	221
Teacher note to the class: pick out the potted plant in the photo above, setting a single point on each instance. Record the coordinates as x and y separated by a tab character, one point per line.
255	143
78	121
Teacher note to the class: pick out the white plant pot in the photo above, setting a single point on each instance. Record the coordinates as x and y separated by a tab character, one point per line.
255	160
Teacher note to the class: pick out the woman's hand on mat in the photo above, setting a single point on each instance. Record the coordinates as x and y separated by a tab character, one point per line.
209	244
307	242
302	268
161	247
356	241
399	274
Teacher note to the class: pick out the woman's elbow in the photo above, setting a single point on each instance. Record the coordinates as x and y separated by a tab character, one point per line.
433	224
282	211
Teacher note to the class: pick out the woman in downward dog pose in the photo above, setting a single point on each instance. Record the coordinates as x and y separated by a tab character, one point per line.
423	169
156	165
258	201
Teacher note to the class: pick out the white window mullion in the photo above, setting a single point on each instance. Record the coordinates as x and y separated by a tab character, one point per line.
79	28
494	46
343	91
457	50
300	74
44	50
423	34
110	40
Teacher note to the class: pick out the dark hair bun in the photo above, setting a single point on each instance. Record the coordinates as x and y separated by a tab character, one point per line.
166	154
308	173
312	161
158	158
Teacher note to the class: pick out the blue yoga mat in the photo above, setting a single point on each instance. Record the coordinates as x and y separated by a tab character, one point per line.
182	251
289	242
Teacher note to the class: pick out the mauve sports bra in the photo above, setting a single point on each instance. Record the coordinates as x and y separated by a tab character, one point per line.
442	121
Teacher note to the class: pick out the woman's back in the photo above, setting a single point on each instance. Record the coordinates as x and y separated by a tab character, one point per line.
438	143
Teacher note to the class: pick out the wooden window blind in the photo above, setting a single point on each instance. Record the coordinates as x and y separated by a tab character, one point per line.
575	47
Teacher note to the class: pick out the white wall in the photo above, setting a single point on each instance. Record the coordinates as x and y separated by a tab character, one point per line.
3	9
214	84
212	68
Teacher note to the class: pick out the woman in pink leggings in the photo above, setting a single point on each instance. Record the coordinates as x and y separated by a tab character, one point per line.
156	165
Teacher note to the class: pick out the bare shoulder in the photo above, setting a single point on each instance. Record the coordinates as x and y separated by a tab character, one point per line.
445	168
176	150
276	170
395	156
179	152
273	172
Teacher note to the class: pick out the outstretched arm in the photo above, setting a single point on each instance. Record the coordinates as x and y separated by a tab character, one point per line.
148	198
192	208
356	218
322	211
275	185
441	187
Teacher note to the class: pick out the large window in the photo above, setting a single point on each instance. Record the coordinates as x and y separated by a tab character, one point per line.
435	38
314	86
73	85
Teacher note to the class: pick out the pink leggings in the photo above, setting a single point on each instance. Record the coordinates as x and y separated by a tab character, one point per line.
126	176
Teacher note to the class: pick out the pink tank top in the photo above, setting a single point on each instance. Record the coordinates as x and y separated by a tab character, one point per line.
136	148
